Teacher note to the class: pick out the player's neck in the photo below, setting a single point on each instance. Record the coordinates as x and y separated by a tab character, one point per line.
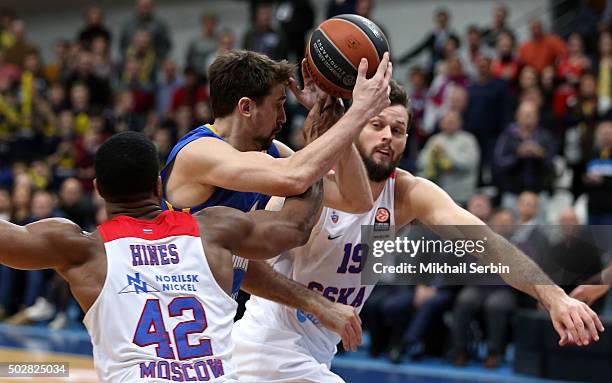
233	133
377	188
146	209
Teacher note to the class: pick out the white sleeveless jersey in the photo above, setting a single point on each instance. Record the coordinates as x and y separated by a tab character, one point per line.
161	316
328	264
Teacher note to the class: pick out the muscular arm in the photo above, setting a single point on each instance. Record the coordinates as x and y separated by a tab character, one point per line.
263	234
347	188
49	243
574	321
261	280
214	162
435	208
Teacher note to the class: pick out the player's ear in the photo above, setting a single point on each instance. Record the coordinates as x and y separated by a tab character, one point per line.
158	188
95	185
245	106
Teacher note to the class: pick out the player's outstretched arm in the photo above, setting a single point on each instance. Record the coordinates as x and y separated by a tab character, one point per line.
49	243
263	281
214	162
263	234
573	320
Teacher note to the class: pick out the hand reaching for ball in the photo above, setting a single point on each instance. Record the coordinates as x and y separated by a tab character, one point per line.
326	111
307	96
371	96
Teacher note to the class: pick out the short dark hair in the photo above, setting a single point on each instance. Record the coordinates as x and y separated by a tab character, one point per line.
238	74
127	167
399	96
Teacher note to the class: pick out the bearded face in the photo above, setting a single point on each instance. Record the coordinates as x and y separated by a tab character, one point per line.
268	118
382	142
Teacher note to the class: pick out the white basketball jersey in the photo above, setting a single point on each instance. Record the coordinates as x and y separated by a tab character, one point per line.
161	316
330	264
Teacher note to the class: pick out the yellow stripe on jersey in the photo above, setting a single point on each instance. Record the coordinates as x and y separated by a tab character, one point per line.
212	128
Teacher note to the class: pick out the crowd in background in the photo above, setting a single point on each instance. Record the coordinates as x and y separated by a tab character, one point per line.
502	125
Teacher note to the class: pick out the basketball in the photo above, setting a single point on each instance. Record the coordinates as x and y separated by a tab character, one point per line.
335	49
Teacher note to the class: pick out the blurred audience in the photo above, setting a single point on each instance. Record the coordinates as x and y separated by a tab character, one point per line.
202	46
542	49
434	42
144	19
496	303
263	37
451	157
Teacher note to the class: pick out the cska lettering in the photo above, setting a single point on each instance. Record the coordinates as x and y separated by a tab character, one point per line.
154	255
345	295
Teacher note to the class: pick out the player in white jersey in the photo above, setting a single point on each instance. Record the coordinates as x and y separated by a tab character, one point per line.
155	285
275	343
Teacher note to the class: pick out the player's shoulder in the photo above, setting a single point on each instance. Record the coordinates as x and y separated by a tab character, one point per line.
205	147
67	237
407	182
410	193
202	154
50	226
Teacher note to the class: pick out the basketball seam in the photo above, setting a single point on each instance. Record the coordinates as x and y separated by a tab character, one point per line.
361	31
338	48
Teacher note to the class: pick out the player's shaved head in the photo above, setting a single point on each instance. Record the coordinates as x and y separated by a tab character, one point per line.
127	168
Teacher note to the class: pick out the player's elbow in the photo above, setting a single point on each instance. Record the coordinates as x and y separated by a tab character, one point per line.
296	185
303	235
302	230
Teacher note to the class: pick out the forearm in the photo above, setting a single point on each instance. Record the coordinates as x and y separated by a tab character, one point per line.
524	274
261	280
352	181
316	159
302	210
278	231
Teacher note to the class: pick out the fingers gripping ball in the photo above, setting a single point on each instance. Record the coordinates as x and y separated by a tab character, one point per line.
335	49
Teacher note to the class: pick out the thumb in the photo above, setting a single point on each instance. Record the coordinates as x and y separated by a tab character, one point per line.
561	331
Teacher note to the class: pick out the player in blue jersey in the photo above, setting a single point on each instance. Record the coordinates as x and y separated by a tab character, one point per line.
236	162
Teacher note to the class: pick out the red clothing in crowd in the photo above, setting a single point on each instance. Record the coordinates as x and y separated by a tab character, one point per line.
543	52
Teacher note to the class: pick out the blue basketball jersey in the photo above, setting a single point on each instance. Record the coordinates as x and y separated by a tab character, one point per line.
244	201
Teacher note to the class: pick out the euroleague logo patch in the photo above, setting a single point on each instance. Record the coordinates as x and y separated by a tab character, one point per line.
382	219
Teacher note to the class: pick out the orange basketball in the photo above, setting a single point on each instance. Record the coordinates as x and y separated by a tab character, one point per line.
337	46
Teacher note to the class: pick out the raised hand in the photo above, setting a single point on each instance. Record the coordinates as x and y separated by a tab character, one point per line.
371	96
307	96
323	115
